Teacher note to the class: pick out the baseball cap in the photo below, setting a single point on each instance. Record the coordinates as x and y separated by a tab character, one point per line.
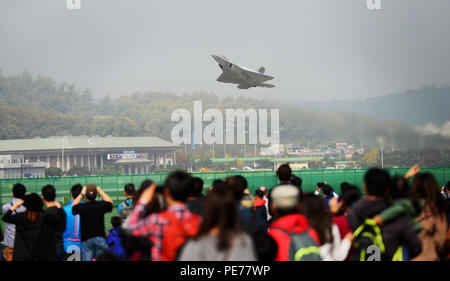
91	191
285	196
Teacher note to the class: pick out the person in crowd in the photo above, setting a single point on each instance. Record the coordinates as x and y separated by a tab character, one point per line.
114	238
445	191
260	206
248	218
92	218
53	226
395	234
350	194
266	247
266	197
432	218
339	216
289	223
166	230
401	204
332	248
18	193
327	192
196	198
285	176
219	237
125	207
28	226
139	248
72	234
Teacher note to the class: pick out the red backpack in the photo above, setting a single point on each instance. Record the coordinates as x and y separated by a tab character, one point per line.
176	233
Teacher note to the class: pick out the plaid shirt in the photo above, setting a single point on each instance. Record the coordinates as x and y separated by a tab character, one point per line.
152	227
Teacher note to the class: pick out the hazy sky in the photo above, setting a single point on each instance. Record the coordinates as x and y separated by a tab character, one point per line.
315	49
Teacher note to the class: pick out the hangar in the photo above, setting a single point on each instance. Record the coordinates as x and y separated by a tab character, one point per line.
136	154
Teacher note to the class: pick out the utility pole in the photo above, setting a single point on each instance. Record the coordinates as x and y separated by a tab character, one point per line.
381	141
62	156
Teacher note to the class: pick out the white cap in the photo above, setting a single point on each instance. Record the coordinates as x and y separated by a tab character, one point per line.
284	196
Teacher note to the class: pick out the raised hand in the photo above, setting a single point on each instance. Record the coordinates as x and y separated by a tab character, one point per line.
412	171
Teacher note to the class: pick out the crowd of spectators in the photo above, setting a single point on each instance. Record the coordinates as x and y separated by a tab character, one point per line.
390	218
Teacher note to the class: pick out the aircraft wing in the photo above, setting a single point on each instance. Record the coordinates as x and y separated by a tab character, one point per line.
226	79
253	75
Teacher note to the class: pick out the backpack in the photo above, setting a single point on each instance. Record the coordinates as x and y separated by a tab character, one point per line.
369	234
125	211
176	233
301	246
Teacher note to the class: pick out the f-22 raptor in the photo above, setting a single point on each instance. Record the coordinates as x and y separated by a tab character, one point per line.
244	77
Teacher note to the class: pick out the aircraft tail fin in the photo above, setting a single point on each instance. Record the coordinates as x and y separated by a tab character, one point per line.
261	70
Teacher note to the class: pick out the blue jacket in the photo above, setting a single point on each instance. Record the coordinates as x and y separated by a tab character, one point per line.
72	235
114	242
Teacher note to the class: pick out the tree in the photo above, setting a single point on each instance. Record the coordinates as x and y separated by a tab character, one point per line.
78	171
53	172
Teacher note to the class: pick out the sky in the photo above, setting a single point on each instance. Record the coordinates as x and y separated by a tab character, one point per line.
317	50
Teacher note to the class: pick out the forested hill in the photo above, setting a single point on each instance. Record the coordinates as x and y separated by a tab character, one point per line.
428	104
40	107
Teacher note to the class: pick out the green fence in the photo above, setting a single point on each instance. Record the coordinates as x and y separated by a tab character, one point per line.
113	185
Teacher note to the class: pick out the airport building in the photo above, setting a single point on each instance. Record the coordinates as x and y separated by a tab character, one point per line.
136	154
14	166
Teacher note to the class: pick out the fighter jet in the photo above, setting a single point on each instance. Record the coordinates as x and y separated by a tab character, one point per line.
244	77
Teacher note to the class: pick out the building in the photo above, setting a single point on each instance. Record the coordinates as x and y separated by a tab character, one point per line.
14	166
138	155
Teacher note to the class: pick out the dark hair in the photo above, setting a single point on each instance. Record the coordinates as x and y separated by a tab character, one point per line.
344	185
316	211
220	211
129	189
19	190
242	181
153	206
179	184
259	193
350	194
237	186
377	181
76	190
296	181
426	187
284	172
197	187
327	190
266	247
34	205
116	221
49	193
400	189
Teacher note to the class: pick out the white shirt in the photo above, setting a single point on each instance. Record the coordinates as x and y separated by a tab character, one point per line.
338	249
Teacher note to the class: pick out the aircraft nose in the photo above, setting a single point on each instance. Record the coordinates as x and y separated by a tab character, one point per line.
217	58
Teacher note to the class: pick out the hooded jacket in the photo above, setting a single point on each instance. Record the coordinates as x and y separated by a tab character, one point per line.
114	241
261	210
395	233
292	223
